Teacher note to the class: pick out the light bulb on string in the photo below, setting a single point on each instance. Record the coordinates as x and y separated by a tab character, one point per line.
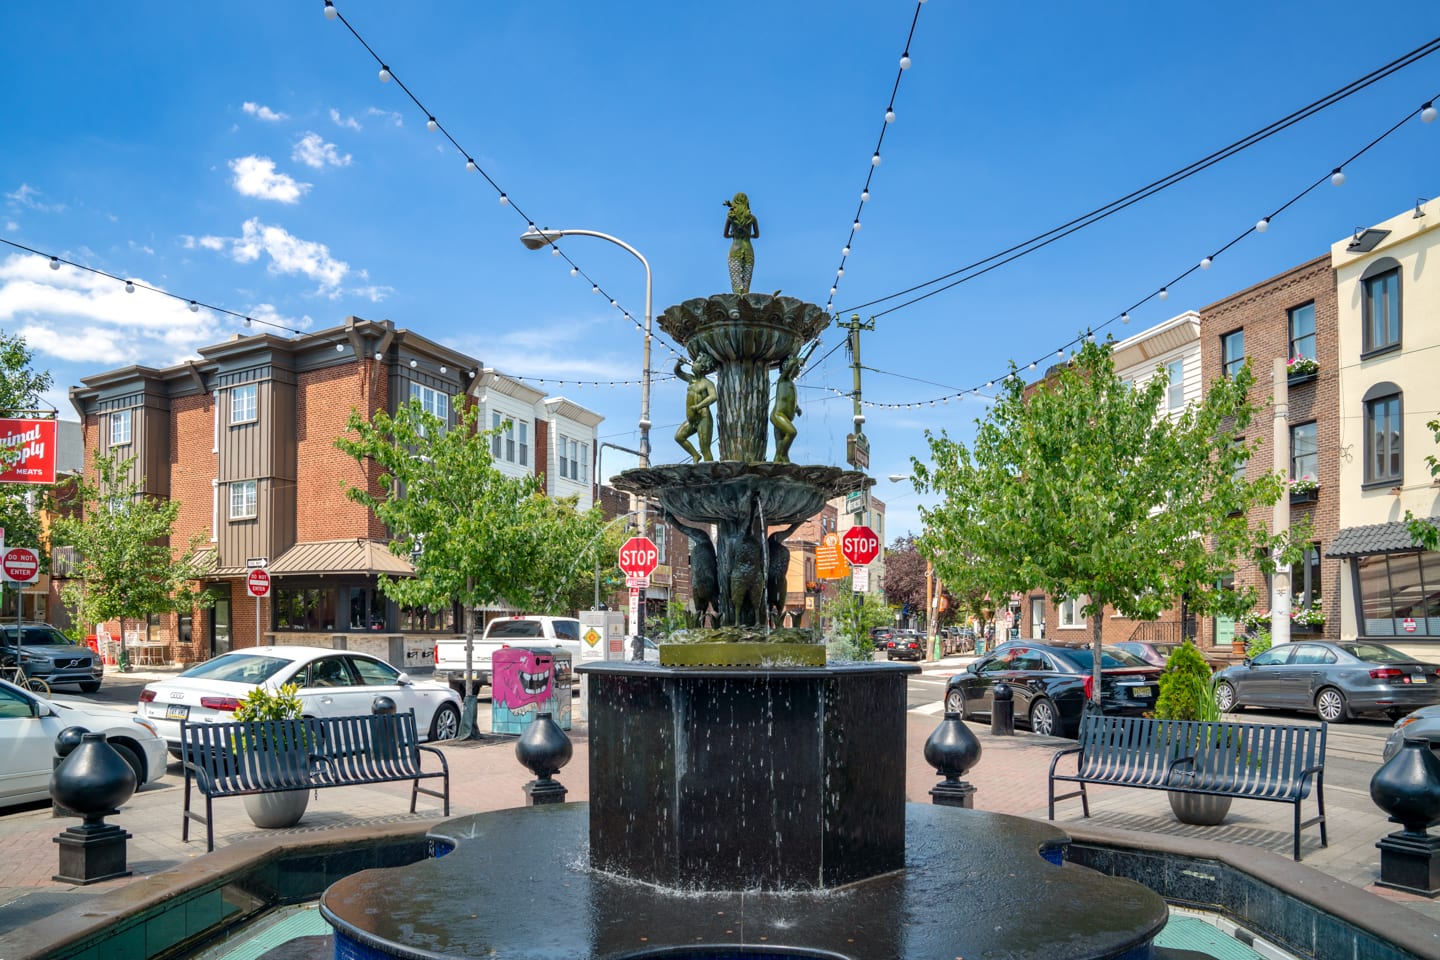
248	321
414	364
905	60
595	288
1125	317
1262	225
844	252
890	115
384	73
875	160
990	385
194	307
1060	353
1427	112
330	12
432	125
1032	364
840	272
129	286
1164	293
832	292
470	165
504	200
554	251
574	271
1205	264
864	196
613	303
855	226
1337	176
54	263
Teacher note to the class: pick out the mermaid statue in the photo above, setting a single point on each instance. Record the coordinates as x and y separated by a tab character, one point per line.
741	227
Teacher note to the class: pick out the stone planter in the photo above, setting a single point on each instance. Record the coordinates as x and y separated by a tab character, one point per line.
1199	809
1238	647
1304	496
272	811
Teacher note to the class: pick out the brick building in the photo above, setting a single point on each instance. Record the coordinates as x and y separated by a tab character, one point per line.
1290	315
243	437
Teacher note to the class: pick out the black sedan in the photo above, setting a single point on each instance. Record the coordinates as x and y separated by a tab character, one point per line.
905	645
1051	685
1335	680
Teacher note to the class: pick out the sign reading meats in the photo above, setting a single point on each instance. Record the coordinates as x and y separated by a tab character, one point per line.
27	451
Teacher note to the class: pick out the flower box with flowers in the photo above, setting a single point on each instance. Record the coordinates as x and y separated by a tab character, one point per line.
1304	490
1300	369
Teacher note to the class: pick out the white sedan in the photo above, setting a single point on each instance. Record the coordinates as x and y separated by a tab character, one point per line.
333	683
29	724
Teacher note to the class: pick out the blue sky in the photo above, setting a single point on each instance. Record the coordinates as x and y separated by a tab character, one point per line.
247	155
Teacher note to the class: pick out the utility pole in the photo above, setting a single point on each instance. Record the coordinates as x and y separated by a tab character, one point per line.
857	445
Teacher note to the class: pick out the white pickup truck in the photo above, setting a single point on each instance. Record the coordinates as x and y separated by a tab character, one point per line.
503	632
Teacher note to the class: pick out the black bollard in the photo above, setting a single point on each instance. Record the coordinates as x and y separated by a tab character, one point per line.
383	709
92	780
952	750
65	744
1002	714
544	749
1407	787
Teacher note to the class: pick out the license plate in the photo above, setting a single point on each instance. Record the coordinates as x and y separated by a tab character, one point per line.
1419	679
177	711
1140	693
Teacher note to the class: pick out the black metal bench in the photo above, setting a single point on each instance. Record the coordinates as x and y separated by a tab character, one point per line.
1251	761
232	760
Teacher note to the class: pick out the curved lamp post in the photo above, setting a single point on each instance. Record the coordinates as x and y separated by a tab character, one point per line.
539	239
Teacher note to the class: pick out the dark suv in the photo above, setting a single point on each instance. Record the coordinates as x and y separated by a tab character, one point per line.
51	656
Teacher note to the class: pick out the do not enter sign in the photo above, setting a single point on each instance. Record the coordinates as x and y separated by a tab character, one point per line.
258	583
639	557
20	565
860	545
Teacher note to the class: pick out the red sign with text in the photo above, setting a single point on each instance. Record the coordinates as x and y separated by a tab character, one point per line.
860	545
20	565
639	557
28	446
258	583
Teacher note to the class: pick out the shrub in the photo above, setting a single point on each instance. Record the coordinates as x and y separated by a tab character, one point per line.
1184	686
261	704
1258	644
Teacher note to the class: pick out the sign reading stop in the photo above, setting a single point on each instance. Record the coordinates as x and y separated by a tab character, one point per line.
20	565
258	583
860	545
639	557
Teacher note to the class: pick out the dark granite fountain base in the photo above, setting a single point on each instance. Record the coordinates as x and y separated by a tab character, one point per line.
518	885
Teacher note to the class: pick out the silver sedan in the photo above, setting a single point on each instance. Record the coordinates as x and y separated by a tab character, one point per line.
1335	680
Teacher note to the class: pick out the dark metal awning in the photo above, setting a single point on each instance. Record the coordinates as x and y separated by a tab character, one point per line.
1375	539
351	555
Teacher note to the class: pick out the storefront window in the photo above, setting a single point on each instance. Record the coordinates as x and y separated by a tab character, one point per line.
419	620
367	609
311	609
1399	595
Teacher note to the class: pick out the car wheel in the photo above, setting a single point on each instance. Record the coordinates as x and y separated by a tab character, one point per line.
1330	704
1042	718
132	758
89	686
955	702
1225	697
446	723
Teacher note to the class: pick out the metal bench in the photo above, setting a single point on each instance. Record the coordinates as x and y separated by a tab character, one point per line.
1251	761
231	759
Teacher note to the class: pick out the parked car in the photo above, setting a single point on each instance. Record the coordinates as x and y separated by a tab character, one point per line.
1051	685
1156	653
29	724
1422	724
51	656
333	683
1335	680
906	645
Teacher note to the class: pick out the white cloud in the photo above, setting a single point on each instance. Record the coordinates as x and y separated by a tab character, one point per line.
257	177
141	248
27	196
350	123
287	253
313	151
266	313
11	226
77	316
389	115
262	112
374	293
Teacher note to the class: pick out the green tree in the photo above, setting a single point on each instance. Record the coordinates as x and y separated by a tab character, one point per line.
1424	530
20	392
125	567
1082	488
852	615
473	533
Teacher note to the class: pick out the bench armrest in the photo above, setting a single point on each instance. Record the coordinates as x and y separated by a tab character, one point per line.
1067	750
444	767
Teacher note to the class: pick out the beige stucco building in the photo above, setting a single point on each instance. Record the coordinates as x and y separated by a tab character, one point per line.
1388	285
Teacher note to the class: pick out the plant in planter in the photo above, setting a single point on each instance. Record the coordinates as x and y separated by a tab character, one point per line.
1307	618
1300	366
1304	485
1187	692
286	747
1259	643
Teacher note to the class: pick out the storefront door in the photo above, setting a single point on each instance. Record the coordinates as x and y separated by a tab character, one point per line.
220	628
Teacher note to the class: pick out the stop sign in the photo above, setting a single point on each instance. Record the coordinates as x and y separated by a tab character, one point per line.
258	583
639	557
860	545
21	565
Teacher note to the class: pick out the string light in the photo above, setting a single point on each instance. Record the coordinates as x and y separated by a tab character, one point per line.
905	60
504	200
1427	112
384	73
54	263
1164	293
1262	225
194	307
875	160
431	125
1337	176
330	12
844	252
890	115
1205	263
129	287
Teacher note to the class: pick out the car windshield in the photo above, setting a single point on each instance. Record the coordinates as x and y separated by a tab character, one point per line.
505	629
238	668
1109	657
566	629
1375	653
37	636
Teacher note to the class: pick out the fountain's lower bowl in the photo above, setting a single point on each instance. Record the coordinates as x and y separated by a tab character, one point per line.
721	491
518	885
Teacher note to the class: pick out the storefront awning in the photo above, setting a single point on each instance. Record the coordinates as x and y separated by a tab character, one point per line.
1374	539
340	556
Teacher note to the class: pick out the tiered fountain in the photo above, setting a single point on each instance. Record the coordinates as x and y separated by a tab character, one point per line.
747	799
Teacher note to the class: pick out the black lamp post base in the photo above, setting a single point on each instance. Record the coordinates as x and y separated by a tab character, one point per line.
547	790
957	794
1410	862
90	854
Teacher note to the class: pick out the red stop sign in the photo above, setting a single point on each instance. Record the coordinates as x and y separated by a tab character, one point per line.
20	565
258	583
860	545
639	557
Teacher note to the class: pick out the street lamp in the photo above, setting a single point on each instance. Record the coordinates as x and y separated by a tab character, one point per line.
538	239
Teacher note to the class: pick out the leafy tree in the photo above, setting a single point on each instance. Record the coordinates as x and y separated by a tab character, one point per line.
125	567
905	574
852	615
20	390
1423	530
1079	487
474	534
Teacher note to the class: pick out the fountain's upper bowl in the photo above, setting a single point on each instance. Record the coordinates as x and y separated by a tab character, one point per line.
719	491
744	326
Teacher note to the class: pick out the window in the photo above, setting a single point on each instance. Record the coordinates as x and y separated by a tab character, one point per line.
373	673
574	459
432	401
243	403
311	608
661	529
1380	305
1399	595
1384	434
1242	462
1302	331
1232	352
524	443
1305	578
1175	371
510	440
1070	615
119	428
496	443
1304	451
242	499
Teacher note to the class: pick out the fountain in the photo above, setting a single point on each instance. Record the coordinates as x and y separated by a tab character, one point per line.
747	799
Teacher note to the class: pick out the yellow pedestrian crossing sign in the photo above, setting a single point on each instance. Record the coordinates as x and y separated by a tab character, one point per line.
592	637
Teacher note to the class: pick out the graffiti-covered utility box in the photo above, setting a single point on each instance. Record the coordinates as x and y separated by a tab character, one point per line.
526	681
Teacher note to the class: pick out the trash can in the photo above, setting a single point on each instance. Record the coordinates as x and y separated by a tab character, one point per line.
93	642
528	681
979	646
